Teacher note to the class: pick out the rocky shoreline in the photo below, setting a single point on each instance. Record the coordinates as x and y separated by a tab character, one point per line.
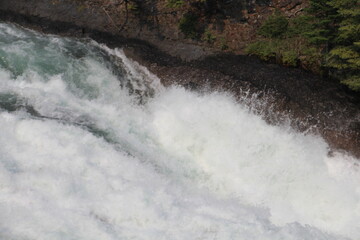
313	103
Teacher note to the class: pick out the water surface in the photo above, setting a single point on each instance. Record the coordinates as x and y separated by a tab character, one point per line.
92	146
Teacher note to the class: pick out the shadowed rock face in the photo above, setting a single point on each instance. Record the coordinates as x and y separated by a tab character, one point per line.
312	102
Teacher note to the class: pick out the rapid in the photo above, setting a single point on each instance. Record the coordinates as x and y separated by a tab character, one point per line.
93	147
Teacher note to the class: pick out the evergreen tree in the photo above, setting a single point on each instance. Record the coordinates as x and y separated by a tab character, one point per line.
345	56
324	18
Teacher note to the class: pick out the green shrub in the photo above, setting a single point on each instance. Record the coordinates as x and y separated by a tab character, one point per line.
187	25
281	50
286	41
274	27
209	37
223	44
290	58
175	3
263	49
133	7
312	55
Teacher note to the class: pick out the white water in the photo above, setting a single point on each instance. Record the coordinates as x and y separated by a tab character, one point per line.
80	158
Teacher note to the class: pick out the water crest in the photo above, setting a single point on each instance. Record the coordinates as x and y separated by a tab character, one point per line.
92	146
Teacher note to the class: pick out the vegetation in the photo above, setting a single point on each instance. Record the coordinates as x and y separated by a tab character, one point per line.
275	26
285	42
180	3
133	7
209	37
188	25
223	44
345	53
326	37
175	3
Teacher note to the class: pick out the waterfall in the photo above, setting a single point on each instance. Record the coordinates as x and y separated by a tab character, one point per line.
93	147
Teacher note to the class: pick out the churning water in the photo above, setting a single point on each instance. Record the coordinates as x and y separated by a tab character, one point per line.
93	147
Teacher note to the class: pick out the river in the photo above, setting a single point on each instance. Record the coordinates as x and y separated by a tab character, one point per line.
93	147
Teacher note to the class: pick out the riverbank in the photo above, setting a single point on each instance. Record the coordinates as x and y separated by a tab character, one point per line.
310	102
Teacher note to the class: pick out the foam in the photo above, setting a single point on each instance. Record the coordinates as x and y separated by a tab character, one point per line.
93	163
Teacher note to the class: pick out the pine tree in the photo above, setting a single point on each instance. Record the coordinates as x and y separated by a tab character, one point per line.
345	56
324	18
